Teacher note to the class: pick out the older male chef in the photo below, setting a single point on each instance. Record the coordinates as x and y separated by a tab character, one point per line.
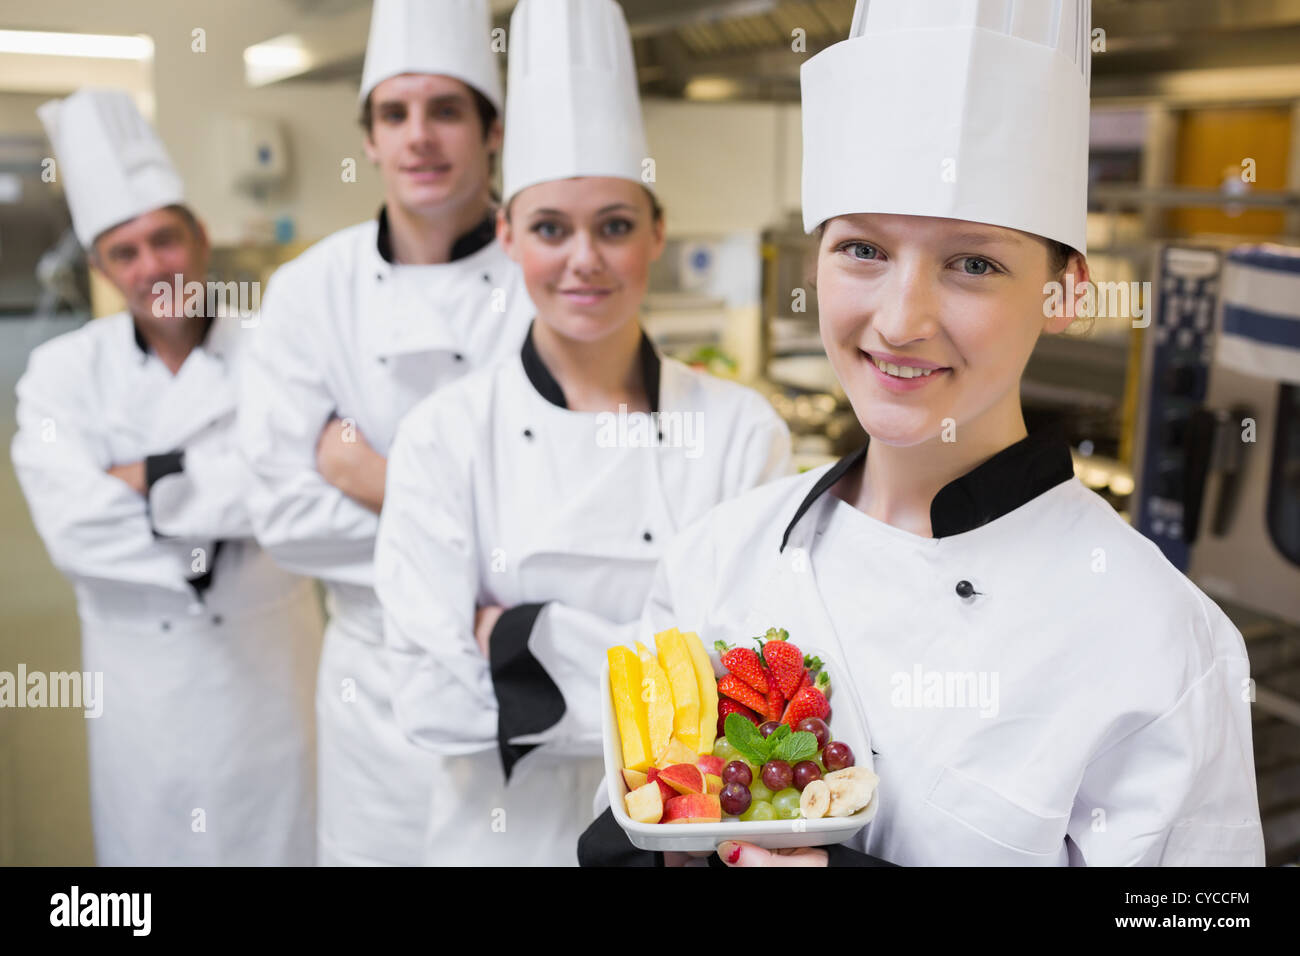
205	752
354	333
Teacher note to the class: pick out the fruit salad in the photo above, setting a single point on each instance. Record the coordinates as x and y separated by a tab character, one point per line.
753	745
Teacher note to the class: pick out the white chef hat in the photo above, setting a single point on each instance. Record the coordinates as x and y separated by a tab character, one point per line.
961	109
573	107
112	164
444	37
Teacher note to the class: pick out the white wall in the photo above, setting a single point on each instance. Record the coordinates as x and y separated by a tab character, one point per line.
192	90
724	167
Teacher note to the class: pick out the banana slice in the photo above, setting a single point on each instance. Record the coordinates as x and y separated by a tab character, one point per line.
815	800
851	789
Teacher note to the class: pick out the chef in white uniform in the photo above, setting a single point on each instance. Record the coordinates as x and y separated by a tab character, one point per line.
205	751
1040	686
549	485
354	332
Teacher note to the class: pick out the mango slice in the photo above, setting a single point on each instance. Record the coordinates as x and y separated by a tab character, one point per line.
629	708
708	685
657	695
676	661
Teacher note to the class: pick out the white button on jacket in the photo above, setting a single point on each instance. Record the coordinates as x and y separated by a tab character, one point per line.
1084	704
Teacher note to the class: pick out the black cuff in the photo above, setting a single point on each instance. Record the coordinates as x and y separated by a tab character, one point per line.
528	701
605	844
838	854
157	466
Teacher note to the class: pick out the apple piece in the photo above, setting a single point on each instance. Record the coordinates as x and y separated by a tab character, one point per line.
676	752
684	778
634	779
693	808
652	776
645	804
710	764
712	783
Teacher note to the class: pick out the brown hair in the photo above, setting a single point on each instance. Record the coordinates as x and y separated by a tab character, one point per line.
184	212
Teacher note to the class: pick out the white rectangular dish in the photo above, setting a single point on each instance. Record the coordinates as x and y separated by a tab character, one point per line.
846	724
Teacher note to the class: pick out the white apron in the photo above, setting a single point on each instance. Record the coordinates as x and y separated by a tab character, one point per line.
205	750
344	332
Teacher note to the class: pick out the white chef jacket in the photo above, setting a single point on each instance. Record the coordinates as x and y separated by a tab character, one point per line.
205	750
498	494
1118	731
346	332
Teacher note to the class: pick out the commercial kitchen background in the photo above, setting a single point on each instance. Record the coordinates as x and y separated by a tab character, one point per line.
1195	152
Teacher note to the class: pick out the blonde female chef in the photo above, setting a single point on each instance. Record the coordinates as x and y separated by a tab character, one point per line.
550	485
1104	717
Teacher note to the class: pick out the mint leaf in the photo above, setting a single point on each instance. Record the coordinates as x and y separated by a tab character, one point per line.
776	736
794	748
744	736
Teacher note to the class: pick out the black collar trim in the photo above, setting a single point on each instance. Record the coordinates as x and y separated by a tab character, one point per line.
1013	477
547	387
143	346
466	245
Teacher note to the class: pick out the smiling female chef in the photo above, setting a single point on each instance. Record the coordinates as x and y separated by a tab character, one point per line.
354	332
542	486
945	172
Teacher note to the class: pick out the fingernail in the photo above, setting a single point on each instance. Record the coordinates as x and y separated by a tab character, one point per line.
729	851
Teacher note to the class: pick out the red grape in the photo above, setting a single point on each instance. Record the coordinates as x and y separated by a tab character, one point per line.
777	775
805	772
768	727
837	755
817	727
734	798
738	772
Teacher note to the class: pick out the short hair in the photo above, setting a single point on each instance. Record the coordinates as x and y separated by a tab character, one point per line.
180	209
191	220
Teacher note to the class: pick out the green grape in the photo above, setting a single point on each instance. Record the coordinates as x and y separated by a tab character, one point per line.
786	804
759	810
758	790
723	750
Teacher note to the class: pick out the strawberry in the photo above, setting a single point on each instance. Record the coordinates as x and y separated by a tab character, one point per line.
811	666
775	699
809	702
744	664
735	688
726	707
786	663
